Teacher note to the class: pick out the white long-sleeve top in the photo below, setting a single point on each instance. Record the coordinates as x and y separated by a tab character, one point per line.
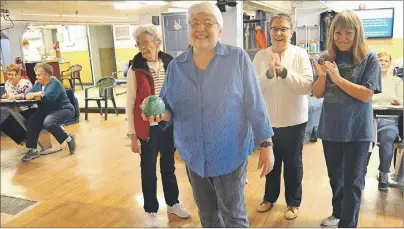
158	73
392	88
286	99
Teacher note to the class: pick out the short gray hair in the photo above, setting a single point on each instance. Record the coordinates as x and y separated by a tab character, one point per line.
206	7
281	16
44	67
152	30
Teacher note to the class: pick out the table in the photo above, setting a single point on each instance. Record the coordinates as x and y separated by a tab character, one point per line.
388	110
12	106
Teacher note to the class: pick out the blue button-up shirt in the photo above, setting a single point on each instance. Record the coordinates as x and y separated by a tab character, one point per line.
215	121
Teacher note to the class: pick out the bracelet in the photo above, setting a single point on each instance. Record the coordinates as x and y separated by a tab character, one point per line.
283	73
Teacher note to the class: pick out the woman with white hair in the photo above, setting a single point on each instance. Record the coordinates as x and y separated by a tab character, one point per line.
214	101
145	77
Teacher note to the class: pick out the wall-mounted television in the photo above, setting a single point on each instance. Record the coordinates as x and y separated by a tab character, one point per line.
377	23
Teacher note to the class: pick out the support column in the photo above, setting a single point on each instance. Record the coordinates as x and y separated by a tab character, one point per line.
232	32
14	37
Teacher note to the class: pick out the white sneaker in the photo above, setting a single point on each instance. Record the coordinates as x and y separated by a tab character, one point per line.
178	210
330	221
150	219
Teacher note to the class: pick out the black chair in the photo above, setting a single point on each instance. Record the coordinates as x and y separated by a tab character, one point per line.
2	90
73	99
398	71
106	88
74	74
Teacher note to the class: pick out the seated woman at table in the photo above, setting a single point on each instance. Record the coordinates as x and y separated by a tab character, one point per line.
15	88
54	109
387	130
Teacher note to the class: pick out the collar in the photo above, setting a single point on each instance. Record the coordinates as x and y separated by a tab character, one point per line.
220	49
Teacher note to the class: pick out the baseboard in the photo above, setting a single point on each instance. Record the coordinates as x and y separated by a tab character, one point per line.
110	110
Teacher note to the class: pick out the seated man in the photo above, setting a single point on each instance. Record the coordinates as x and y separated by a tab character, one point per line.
54	109
15	88
387	130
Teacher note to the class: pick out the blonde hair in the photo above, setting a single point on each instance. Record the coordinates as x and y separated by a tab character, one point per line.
206	7
348	20
45	68
24	42
14	68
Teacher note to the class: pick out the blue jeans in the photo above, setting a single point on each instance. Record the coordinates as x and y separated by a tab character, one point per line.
346	163
387	132
50	121
220	199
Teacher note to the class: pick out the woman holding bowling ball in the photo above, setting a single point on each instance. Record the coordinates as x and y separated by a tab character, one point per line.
213	99
145	78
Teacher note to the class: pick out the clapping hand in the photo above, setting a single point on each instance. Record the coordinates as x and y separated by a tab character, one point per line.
333	72
275	63
321	70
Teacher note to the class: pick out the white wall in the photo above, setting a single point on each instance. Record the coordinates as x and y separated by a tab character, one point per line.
130	43
232	32
75	38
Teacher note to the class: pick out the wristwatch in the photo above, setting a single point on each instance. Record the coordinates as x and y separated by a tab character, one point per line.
266	144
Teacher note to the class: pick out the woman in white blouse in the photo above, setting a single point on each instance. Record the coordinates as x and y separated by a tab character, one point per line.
387	130
285	76
15	88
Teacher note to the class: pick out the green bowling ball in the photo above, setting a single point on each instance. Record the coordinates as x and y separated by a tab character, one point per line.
153	105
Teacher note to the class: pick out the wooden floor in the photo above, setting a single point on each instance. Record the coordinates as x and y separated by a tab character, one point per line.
100	186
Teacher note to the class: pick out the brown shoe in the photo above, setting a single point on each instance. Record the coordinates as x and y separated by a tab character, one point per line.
291	213
265	206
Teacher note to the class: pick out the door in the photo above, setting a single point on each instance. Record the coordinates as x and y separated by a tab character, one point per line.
175	33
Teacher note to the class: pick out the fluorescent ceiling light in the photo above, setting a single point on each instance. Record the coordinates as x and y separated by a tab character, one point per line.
137	4
74	15
184	4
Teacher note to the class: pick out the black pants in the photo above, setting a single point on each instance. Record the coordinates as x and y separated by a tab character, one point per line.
288	145
159	141
13	129
346	163
50	121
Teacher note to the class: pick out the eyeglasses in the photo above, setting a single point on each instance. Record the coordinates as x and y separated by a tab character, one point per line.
11	74
276	29
207	24
142	44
